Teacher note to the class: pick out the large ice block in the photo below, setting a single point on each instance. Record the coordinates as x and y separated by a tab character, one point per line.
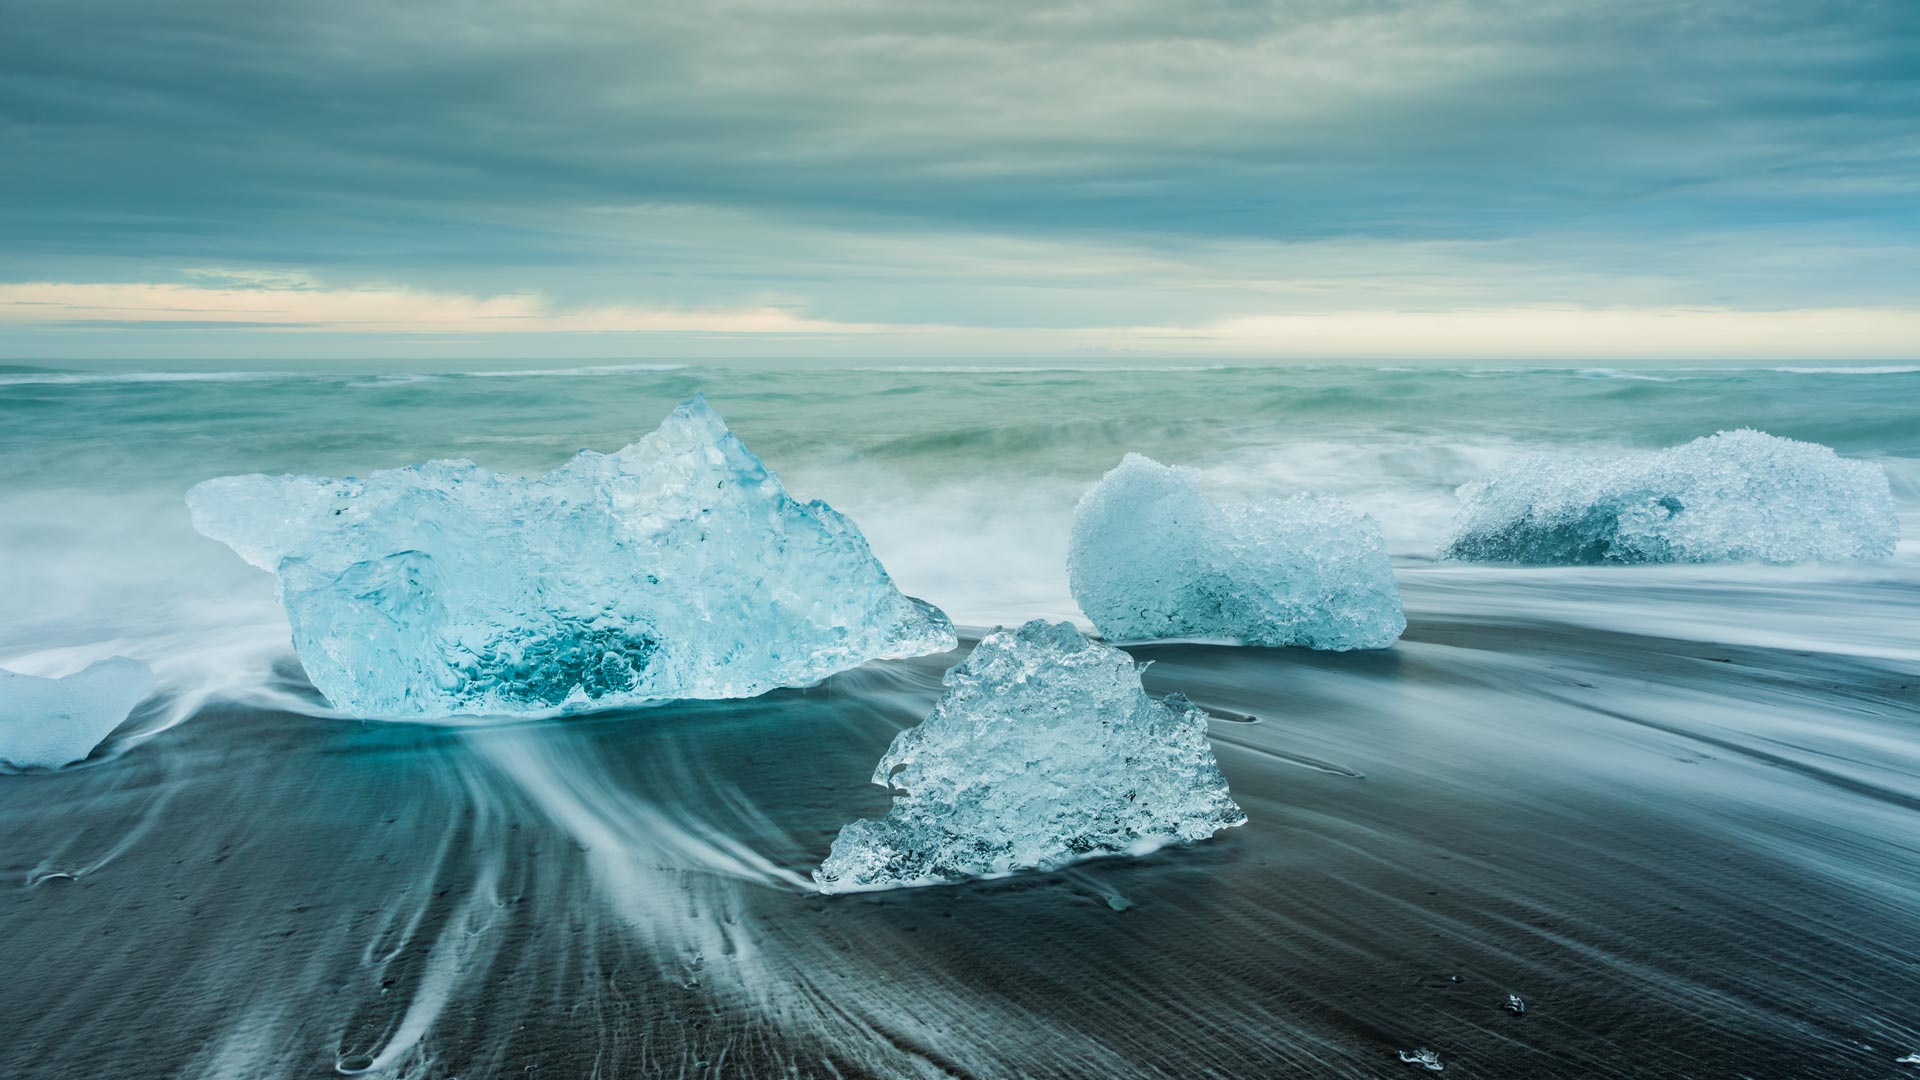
678	567
47	723
1738	496
1043	750
1151	556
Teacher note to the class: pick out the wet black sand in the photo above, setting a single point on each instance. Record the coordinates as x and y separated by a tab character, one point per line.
1689	859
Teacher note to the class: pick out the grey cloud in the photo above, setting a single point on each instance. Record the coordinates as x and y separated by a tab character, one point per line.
484	141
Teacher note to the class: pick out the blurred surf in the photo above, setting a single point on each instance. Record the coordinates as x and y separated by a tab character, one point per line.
963	478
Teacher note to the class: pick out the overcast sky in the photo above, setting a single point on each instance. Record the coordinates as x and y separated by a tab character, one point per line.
1310	179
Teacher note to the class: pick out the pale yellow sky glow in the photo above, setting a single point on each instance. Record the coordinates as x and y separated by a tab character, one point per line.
292	303
297	304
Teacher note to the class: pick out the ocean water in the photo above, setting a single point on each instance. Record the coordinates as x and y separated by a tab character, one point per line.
1674	808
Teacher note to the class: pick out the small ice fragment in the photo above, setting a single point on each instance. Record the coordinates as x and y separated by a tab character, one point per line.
1738	496
1422	1057
1151	556
1910	1059
1118	902
47	723
678	567
1515	1004
1043	750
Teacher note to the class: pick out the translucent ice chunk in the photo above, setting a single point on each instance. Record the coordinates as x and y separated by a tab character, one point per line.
1739	496
47	723
678	567
1424	1058
1043	750
1153	557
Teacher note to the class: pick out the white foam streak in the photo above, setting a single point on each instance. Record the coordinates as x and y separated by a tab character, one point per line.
629	839
590	370
85	378
1864	610
58	864
1887	369
460	947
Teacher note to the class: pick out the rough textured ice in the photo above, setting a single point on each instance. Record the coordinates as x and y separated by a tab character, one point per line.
1739	496
1424	1058
678	567
47	723
1153	557
1043	750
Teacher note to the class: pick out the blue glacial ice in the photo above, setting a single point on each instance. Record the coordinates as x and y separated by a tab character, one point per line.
1151	556
678	567
1738	496
47	723
1043	750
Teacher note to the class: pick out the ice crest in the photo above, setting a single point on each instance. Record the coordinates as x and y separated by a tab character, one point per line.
1043	750
1738	496
1423	1058
678	567
47	723
1151	556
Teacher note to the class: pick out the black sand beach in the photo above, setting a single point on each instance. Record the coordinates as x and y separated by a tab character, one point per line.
1687	858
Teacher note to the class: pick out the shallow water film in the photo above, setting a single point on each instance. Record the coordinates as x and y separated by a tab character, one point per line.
1608	821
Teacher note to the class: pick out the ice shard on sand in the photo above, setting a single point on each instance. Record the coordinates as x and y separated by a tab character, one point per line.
678	567
1738	496
1151	556
1044	749
47	723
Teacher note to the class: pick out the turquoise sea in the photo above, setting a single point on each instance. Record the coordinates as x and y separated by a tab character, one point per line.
963	477
1674	808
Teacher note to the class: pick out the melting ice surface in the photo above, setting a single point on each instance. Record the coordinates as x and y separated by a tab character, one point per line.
1424	1058
47	723
1153	557
678	567
1738	496
1044	749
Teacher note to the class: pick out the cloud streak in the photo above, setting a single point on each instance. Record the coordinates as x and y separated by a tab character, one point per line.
301	304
